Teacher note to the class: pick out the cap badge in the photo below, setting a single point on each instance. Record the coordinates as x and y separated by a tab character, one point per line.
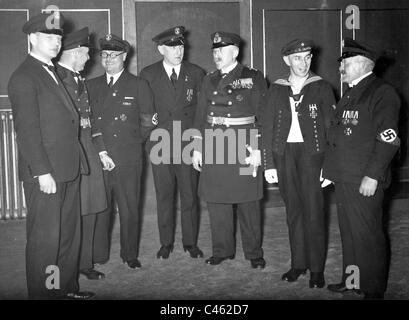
108	37
217	38
177	30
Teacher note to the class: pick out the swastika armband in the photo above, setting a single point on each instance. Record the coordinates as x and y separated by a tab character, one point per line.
155	119
389	136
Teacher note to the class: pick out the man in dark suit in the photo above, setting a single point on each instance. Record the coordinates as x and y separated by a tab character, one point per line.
123	110
92	189
50	160
297	115
175	84
228	106
363	139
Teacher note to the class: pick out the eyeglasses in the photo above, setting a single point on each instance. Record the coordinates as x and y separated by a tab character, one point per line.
111	55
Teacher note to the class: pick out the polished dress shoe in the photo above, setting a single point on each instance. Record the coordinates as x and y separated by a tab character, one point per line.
258	263
80	295
134	263
341	287
194	251
293	274
217	260
92	274
317	280
164	251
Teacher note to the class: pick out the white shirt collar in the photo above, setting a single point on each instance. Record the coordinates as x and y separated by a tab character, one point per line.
116	76
229	68
357	80
66	67
169	68
41	59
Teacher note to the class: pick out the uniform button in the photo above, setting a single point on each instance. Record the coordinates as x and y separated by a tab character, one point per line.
214	92
87	101
115	135
213	103
79	100
229	103
229	91
211	113
99	118
75	91
116	118
228	114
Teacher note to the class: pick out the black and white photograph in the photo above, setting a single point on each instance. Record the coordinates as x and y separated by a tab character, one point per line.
206	154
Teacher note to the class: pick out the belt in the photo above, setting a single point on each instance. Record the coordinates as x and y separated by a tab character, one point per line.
223	121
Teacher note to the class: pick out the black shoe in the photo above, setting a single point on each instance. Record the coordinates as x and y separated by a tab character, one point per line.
341	288
134	263
194	251
293	274
258	263
373	296
317	280
164	251
92	274
84	295
217	260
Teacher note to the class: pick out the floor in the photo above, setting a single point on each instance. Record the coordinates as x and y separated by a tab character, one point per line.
181	277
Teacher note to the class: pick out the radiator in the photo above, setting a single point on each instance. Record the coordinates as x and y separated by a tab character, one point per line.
12	203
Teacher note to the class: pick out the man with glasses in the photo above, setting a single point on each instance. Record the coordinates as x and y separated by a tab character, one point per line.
122	114
50	161
175	84
295	121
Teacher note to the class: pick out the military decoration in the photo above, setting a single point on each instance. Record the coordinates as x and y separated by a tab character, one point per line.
348	131
245	83
313	110
239	97
189	95
350	116
123	117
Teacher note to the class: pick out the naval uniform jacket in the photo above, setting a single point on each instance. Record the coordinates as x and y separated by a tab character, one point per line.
315	112
93	197
122	116
174	104
46	124
363	137
237	95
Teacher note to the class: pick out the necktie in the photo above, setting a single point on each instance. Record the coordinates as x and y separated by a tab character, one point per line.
111	82
173	78
78	80
51	68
